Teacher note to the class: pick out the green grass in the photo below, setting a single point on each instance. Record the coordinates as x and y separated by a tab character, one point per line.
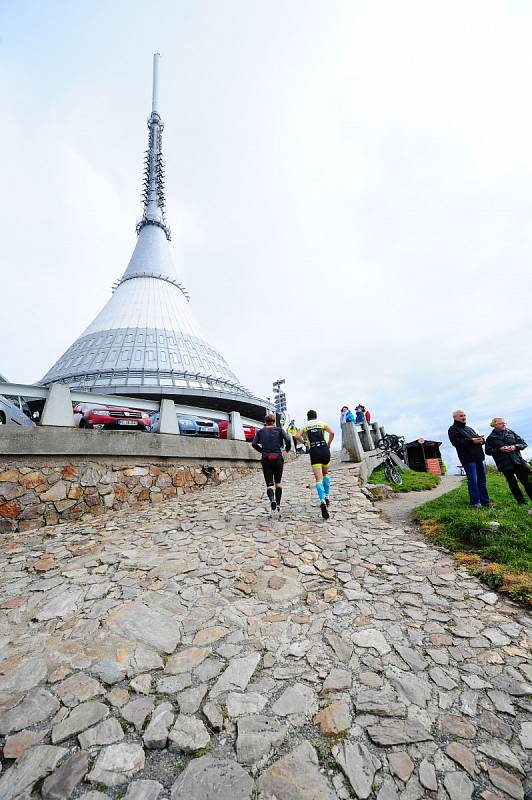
501	555
412	481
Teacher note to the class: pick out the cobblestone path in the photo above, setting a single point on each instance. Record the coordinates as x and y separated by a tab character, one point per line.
199	650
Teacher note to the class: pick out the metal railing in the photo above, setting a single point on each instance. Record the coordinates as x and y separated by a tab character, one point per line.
60	399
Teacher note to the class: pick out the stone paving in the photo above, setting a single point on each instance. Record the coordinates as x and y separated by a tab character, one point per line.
200	649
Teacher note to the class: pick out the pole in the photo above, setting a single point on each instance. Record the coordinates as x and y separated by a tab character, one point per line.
155	91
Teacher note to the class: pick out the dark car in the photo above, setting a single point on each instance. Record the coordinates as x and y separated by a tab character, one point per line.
190	425
87	415
207	427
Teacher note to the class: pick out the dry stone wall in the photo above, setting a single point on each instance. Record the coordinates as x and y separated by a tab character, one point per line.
39	492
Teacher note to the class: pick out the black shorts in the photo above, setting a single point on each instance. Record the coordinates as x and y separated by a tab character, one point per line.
320	455
273	470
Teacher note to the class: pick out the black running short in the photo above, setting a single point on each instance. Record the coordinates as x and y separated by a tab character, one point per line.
273	470
320	455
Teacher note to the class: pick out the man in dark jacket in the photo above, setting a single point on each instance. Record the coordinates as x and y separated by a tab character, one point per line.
505	446
471	455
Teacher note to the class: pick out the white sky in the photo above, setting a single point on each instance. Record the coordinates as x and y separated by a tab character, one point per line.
348	185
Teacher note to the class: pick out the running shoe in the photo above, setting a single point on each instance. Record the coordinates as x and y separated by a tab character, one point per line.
324	512
279	512
273	505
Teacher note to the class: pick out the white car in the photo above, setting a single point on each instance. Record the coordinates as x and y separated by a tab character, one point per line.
14	410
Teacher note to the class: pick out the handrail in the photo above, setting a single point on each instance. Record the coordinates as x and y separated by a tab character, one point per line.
24	390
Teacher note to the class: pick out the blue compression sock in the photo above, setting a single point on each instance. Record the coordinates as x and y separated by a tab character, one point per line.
320	491
327	485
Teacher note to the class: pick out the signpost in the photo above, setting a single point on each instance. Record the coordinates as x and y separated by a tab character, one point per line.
279	399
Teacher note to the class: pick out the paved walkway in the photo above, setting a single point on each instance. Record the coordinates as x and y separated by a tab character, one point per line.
200	650
400	506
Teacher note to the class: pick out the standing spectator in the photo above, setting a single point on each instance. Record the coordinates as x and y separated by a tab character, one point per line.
346	415
468	445
365	412
505	446
359	418
292	430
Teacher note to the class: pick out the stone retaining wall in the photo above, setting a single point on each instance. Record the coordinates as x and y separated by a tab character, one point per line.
50	475
35	492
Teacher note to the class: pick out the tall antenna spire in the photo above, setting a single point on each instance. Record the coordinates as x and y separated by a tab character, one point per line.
153	184
146	340
155	90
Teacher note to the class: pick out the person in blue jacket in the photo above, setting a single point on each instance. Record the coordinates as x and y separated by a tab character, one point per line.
346	415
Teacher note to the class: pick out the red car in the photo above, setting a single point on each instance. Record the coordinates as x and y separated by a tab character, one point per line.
249	430
110	417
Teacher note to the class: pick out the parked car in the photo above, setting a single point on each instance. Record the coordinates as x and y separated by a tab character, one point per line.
14	410
110	417
207	427
190	425
249	430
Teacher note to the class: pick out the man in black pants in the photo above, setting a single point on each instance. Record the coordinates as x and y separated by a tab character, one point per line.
269	442
505	446
468	445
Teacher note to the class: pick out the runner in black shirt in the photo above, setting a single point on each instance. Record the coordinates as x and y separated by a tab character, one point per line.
269	442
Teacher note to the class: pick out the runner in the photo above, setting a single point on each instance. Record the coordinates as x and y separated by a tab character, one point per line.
313	436
292	430
269	442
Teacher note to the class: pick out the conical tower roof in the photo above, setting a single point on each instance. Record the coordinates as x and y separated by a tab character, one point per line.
146	340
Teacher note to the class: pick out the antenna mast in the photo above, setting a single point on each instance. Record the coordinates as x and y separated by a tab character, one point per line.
153	184
155	90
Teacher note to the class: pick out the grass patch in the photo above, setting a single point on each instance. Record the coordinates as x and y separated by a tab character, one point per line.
203	751
412	481
325	757
124	724
501	554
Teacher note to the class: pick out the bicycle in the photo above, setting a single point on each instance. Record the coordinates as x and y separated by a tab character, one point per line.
392	444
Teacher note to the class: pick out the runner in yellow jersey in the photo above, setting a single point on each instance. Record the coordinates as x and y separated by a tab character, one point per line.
292	430
313	435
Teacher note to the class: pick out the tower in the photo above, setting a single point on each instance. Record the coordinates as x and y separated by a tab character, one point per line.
146	340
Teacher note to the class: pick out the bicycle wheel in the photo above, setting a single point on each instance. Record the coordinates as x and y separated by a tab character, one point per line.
392	473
